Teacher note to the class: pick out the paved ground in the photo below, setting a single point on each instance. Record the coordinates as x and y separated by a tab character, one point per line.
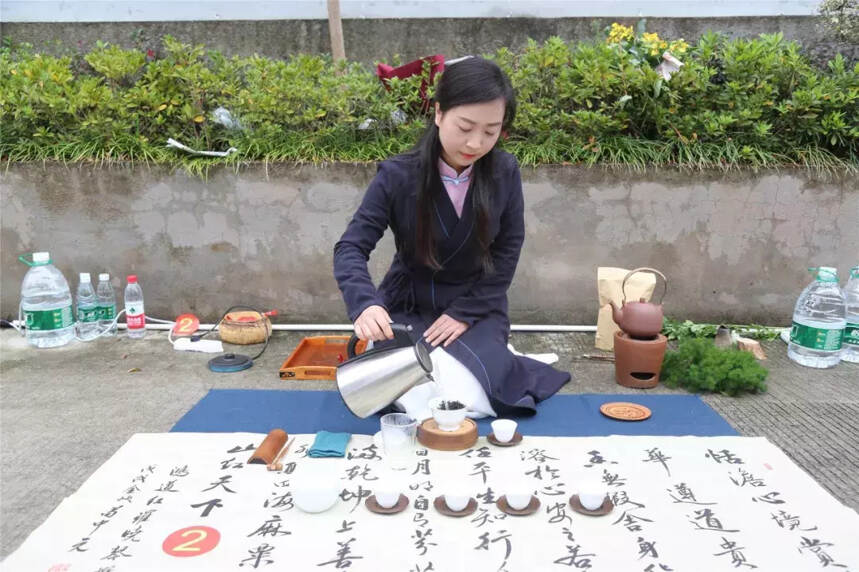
64	412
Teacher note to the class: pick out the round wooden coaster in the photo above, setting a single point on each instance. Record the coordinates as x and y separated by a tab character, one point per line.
442	507
625	411
430	436
576	504
373	505
532	507
517	438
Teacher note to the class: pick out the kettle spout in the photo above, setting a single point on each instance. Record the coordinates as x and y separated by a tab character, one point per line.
616	313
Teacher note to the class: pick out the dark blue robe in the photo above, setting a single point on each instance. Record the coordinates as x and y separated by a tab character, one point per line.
416	294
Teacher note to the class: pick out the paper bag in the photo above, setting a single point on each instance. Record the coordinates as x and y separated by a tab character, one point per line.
609	280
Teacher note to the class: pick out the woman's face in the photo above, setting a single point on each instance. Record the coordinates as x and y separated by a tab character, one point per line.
468	132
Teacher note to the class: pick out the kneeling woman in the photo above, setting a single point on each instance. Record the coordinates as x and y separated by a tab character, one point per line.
455	206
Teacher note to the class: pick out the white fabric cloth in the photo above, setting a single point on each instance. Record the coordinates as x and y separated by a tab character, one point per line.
452	381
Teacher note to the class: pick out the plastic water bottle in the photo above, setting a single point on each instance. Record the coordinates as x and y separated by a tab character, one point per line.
135	317
87	307
47	304
818	322
850	352
106	305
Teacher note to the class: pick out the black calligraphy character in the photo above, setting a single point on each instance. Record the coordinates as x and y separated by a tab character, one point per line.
239	449
657	456
112	512
771	498
128	498
554	489
131	535
737	557
816	546
483	517
420	519
538	455
167	487
155	500
131	490
139	479
560	514
357	471
369	453
347	525
646	548
421	503
102	569
116	552
418	568
652	568
283	501
620	498
210	505
288	468
573	558
596	458
344	558
98	525
259	555
612	480
481	468
421	542
426	485
782	518
745	478
225	464
180	471
271	527
79	547
631	521
222	482
301	451
685	495
481	452
710	521
347	495
488	497
502	535
422	467
569	534
536	472
724	455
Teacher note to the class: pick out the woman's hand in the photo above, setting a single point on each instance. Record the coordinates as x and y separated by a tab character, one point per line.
444	329
374	323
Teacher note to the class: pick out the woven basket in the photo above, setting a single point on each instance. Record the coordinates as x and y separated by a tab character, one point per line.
244	328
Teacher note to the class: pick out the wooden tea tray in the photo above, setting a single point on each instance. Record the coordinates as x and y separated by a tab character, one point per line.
430	436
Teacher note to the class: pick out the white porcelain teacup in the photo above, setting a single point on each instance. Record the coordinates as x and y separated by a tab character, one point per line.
386	495
315	493
518	496
504	429
447	416
592	498
456	499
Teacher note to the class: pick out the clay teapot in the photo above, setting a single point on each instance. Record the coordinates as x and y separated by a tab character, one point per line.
640	319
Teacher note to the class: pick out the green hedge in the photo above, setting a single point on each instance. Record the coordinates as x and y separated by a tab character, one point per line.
741	102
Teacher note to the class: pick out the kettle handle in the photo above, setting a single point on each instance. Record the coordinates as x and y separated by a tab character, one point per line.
655	271
401	336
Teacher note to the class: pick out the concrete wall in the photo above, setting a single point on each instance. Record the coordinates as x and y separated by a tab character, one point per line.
371	40
734	247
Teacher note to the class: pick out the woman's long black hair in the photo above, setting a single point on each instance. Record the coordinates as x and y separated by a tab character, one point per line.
473	80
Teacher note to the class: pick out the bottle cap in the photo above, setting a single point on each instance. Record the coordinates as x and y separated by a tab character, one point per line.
104	277
42	257
827	274
132	278
85	277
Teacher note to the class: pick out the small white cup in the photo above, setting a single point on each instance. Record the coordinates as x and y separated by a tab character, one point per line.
447	419
456	500
518	498
592	499
504	429
386	495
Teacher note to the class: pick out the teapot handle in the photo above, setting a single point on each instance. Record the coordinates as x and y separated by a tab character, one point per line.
655	271
401	336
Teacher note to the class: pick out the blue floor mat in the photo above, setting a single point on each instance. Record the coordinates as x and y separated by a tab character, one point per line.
571	415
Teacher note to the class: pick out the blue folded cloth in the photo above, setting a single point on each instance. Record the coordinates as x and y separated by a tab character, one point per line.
329	444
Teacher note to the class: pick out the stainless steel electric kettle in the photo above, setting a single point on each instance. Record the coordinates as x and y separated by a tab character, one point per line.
374	379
